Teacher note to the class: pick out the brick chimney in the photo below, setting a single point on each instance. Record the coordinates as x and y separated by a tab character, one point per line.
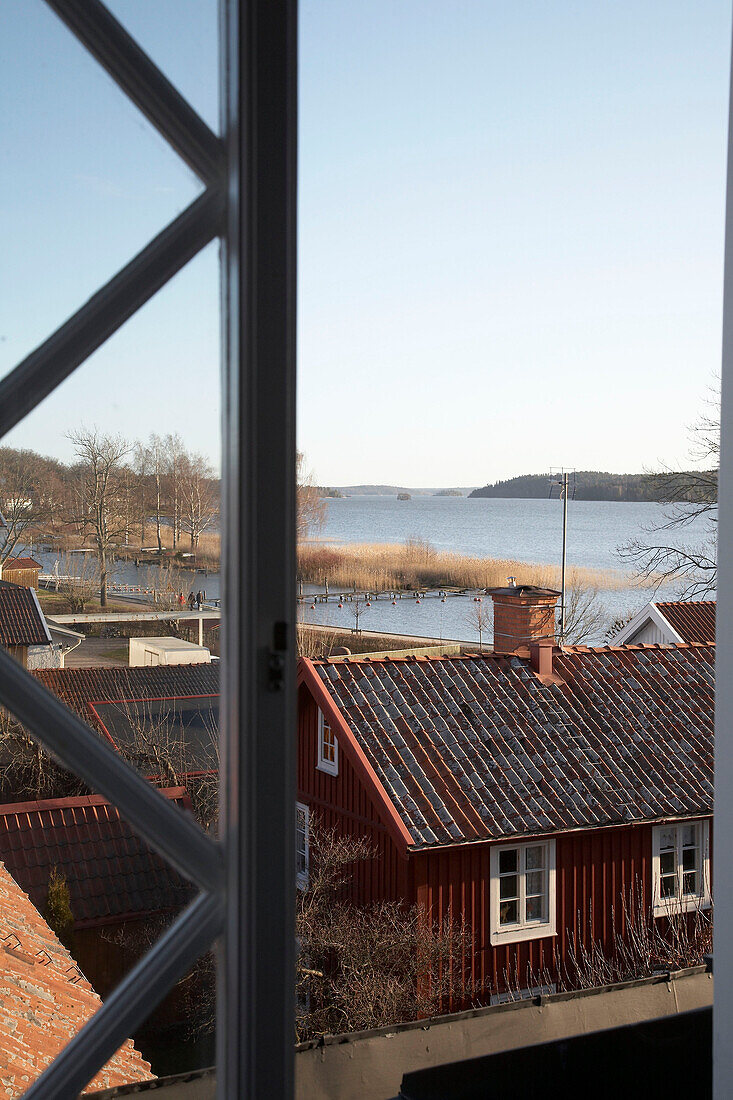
524	622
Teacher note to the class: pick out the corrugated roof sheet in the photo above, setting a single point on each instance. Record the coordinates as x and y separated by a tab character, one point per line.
45	1001
477	748
21	621
111	873
694	620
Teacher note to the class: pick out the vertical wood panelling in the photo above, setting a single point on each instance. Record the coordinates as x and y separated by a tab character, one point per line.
340	801
600	876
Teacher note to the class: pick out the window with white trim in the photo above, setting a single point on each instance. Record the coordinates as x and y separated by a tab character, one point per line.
522	891
302	815
328	749
680	867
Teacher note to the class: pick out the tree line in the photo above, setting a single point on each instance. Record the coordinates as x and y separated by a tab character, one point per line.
599	485
108	495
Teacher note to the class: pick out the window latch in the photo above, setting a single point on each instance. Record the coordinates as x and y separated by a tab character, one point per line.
276	663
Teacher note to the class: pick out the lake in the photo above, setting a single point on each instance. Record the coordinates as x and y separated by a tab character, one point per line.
525	530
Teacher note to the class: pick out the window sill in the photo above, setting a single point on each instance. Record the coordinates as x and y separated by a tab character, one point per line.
675	906
329	769
518	935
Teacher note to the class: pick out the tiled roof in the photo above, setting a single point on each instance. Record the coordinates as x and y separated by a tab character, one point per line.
21	620
20	563
44	1001
111	874
694	620
476	748
80	687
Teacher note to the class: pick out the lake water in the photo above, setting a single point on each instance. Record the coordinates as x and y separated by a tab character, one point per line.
524	530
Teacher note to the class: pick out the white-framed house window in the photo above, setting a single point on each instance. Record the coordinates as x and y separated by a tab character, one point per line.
328	748
680	867
302	815
522	892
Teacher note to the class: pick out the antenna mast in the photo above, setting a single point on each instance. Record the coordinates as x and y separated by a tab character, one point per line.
564	484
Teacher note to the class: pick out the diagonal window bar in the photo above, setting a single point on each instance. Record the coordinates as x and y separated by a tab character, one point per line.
136	996
56	358
175	835
143	83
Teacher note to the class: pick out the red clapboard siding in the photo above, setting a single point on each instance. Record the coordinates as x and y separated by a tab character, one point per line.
341	801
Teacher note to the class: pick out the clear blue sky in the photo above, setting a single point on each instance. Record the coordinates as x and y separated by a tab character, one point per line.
511	227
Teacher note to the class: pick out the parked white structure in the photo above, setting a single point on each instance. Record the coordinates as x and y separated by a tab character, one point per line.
166	651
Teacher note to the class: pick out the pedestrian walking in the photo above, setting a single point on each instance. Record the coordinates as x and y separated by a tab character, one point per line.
199	599
191	601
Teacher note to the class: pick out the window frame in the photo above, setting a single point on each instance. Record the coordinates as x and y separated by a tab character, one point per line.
681	903
523	930
302	878
331	767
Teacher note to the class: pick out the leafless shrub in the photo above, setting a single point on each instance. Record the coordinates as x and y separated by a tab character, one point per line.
365	966
79	580
585	618
27	771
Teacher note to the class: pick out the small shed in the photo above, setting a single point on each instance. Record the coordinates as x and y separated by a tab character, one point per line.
22	571
166	651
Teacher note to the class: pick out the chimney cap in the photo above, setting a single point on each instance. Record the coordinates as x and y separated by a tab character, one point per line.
526	591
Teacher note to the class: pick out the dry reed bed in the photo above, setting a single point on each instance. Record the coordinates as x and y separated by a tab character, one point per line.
416	564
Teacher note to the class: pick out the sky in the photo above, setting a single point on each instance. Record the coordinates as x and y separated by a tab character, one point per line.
510	232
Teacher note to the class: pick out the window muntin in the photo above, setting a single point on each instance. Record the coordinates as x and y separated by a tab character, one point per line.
522	891
680	867
328	749
302	815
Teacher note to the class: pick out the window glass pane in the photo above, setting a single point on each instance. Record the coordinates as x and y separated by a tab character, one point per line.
507	860
508	887
535	882
689	859
535	909
667	862
668	839
508	912
668	886
689	835
689	882
535	856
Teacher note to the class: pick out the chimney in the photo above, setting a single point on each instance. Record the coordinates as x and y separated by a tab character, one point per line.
524	620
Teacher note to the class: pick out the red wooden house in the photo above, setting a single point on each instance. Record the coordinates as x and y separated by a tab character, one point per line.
532	790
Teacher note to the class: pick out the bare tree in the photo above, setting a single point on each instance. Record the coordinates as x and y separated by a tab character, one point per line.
175	454
199	497
78	579
481	618
20	504
100	461
585	618
311	509
663	554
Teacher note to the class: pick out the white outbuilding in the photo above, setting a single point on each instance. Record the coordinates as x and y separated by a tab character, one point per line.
166	651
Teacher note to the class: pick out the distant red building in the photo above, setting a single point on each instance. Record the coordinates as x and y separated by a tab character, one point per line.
531	790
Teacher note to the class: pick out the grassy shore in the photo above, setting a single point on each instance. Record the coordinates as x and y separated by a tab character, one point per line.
416	564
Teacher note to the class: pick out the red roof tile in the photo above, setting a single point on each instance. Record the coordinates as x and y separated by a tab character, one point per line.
693	620
112	875
476	748
44	1001
21	619
11	564
79	688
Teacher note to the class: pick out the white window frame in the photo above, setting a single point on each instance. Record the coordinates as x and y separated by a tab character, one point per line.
325	765
302	877
665	907
523	929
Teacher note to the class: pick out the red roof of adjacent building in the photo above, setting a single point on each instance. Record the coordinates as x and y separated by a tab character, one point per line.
21	620
693	620
79	688
20	563
112	875
464	749
44	1001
